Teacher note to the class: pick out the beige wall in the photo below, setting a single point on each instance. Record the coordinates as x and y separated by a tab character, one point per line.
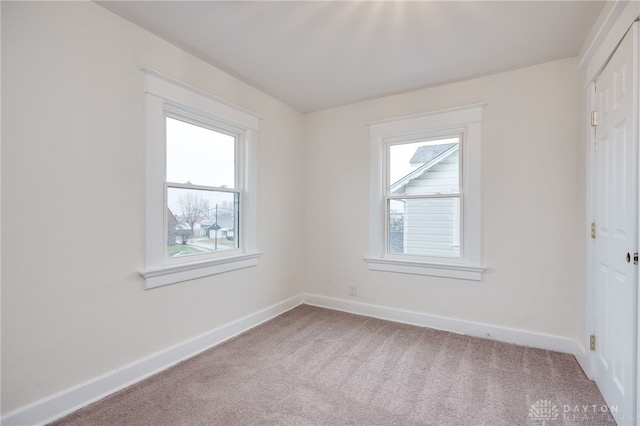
72	164
532	210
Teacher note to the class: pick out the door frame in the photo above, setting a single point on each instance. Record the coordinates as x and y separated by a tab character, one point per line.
613	24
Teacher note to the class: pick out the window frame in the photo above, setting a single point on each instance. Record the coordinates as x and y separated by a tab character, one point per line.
167	97
465	121
238	134
458	134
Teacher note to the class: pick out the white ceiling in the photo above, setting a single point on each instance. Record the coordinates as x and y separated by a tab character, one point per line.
314	55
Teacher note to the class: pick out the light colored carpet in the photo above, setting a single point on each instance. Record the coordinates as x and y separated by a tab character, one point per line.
314	366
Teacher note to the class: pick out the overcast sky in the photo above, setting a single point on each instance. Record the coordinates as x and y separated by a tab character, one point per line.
400	154
201	156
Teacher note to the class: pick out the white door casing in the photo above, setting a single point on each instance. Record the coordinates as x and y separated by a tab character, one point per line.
615	209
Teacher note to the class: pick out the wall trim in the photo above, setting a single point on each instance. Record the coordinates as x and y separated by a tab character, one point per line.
611	26
60	404
583	358
470	328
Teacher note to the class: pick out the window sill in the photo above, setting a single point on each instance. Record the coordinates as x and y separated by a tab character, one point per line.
166	275
463	272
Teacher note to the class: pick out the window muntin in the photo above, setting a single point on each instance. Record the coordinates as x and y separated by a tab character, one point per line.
422	195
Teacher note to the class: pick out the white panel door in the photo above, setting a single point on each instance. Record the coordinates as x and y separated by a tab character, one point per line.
616	217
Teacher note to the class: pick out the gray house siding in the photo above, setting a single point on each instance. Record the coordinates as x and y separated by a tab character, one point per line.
431	225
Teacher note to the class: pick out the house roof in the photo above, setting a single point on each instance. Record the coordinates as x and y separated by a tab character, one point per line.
171	218
432	157
427	153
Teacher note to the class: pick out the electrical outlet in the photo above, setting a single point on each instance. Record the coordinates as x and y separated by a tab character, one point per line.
352	290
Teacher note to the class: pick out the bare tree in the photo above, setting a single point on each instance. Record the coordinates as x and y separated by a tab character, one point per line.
396	221
193	208
184	235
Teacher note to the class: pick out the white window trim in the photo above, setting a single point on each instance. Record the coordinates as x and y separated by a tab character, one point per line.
468	118
165	94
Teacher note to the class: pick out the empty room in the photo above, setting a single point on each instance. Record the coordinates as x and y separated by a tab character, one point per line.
319	212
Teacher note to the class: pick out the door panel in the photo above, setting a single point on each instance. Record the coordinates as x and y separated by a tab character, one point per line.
616	217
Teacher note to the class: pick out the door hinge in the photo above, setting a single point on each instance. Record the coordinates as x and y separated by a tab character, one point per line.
592	342
593	229
594	118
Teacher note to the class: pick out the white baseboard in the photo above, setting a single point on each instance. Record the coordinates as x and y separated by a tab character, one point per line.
487	331
584	359
58	405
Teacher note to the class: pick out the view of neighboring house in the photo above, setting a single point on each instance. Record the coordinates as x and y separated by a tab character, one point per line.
222	228
208	233
428	226
172	224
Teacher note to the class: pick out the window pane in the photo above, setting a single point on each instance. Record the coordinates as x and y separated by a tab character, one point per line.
428	167
201	221
199	155
424	227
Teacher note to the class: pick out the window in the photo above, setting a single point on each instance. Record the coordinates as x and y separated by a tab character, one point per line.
425	194
203	201
200	184
422	196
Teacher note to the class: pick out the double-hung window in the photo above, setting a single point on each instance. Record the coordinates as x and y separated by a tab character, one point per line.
201	187
425	194
200	184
